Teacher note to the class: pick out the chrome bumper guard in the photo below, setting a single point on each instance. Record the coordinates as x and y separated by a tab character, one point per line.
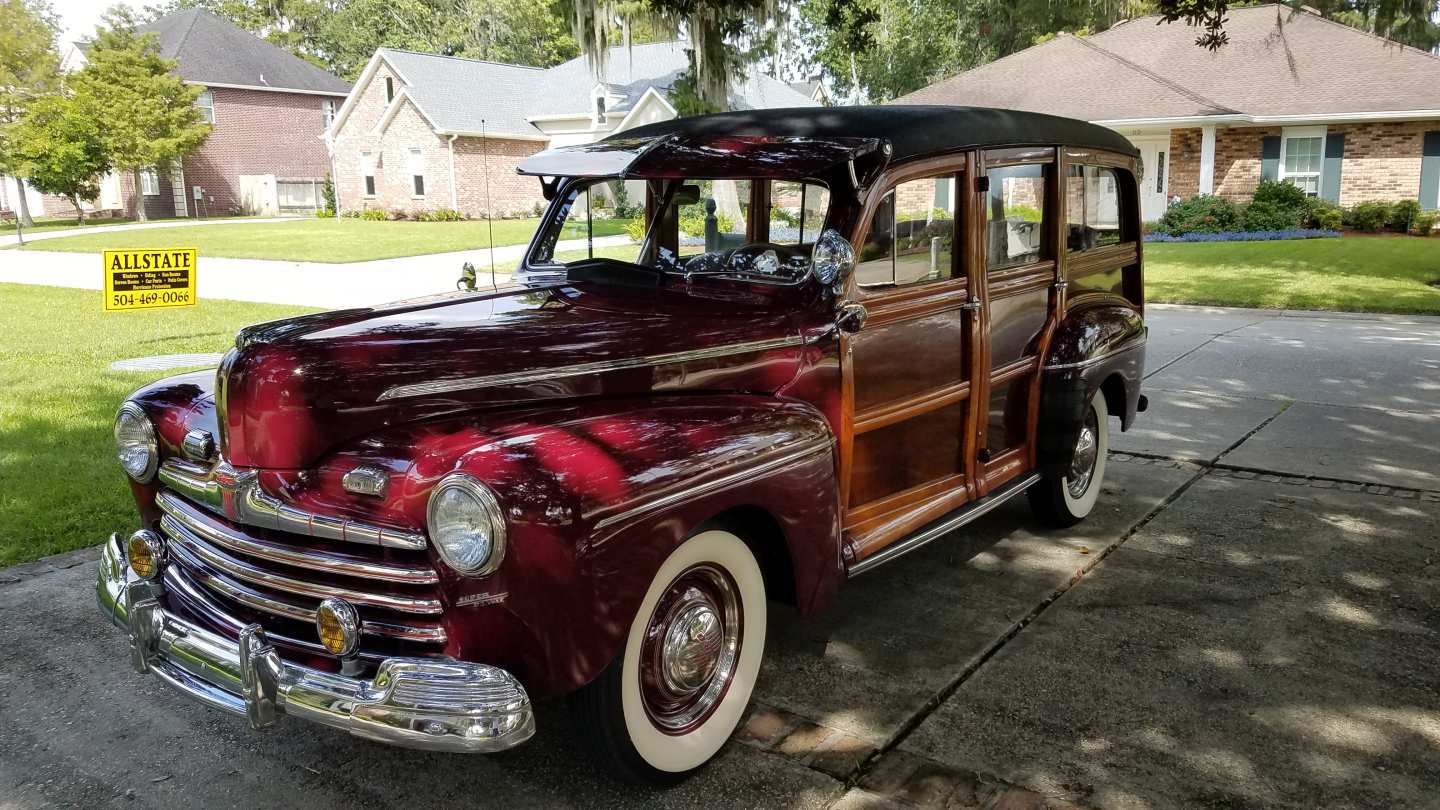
426	703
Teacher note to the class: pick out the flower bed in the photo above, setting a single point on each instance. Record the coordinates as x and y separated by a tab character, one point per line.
1245	236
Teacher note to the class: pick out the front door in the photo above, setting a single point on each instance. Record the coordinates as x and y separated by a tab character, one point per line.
1155	176
909	369
1017	201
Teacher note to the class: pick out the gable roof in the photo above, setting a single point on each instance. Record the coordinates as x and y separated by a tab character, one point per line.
213	51
1280	63
462	96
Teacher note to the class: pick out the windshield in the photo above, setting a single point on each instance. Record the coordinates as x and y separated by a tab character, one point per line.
759	229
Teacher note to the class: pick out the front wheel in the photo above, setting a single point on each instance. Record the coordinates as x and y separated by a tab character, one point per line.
676	692
1067	499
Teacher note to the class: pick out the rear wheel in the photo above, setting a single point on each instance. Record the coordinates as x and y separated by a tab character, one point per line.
673	696
1067	499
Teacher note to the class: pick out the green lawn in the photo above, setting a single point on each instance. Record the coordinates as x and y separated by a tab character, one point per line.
318	240
45	224
60	485
1349	274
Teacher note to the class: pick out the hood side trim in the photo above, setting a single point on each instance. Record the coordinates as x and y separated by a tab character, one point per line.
581	369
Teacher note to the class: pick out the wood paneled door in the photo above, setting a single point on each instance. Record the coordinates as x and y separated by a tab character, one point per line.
909	368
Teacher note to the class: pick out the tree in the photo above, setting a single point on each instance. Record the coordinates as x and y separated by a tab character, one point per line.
60	148
29	68
149	114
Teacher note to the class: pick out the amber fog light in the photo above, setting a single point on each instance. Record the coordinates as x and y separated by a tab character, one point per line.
339	627
145	553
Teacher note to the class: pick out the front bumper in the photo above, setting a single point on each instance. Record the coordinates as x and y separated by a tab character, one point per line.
426	703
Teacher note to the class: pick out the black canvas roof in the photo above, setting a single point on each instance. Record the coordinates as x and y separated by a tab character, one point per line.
912	131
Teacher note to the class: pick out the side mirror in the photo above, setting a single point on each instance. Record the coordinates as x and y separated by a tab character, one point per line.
687	194
833	259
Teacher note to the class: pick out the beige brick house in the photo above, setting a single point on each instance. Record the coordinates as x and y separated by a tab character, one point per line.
1341	113
422	132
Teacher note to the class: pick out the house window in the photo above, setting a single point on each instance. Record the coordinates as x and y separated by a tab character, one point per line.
149	183
367	171
389	89
1302	157
205	103
416	164
327	108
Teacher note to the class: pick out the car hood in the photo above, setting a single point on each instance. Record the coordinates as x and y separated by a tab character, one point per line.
293	389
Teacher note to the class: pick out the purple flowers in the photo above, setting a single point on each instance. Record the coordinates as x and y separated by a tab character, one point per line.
1245	236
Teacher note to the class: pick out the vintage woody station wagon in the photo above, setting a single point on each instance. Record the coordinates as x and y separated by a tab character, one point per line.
845	333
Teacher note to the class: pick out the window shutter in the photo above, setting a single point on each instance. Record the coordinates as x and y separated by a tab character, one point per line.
1334	157
1430	172
1270	158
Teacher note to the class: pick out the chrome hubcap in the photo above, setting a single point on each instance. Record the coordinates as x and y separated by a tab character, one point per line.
1087	451
691	649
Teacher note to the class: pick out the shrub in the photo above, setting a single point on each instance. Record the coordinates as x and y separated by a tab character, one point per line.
1323	214
440	215
324	213
624	208
635	229
1403	213
1368	216
1281	193
328	193
1424	223
1201	214
373	215
1263	215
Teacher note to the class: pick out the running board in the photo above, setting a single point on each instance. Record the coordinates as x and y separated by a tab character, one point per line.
943	526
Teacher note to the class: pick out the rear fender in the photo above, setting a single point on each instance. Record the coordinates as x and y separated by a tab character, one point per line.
1099	347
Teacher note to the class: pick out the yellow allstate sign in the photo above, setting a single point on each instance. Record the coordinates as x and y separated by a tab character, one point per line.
146	279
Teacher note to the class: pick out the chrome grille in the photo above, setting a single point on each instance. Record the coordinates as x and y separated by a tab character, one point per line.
232	569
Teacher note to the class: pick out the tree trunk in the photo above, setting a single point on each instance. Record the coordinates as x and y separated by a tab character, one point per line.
22	211
79	212
139	196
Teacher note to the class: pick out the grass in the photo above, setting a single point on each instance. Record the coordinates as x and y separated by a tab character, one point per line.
44	224
318	240
60	485
1350	274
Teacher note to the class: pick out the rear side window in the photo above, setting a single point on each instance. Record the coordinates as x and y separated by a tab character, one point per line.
1014	214
912	236
1092	205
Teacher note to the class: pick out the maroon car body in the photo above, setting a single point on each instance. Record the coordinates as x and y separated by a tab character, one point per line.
614	410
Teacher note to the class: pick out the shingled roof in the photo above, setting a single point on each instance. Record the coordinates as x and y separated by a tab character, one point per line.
1279	62
212	51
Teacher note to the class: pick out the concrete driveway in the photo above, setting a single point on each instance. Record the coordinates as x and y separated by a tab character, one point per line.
1251	618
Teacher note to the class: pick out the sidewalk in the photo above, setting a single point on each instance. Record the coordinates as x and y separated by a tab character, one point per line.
313	284
6	241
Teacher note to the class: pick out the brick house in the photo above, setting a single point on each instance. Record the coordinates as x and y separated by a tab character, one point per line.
268	111
1343	114
422	132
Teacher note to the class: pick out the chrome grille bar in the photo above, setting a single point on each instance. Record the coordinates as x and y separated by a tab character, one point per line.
330	562
201	573
246	572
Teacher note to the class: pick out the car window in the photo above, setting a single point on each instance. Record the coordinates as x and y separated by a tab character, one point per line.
797	211
1014	215
1092	202
912	236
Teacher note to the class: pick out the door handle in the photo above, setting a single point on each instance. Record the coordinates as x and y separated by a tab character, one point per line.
973	305
851	318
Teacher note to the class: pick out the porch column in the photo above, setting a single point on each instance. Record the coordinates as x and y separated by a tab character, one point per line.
1207	160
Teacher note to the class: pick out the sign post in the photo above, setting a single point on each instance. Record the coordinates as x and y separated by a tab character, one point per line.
150	279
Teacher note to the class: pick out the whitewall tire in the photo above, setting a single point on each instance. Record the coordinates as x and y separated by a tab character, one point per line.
1066	499
676	692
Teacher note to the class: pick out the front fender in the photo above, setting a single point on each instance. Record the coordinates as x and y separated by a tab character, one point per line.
597	495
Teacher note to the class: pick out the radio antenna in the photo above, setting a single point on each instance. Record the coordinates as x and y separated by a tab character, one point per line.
489	215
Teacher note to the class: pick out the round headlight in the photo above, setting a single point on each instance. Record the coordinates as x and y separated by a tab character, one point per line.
135	442
466	525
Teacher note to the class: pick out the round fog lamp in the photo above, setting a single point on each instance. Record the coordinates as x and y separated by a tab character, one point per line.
339	627
145	552
466	525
